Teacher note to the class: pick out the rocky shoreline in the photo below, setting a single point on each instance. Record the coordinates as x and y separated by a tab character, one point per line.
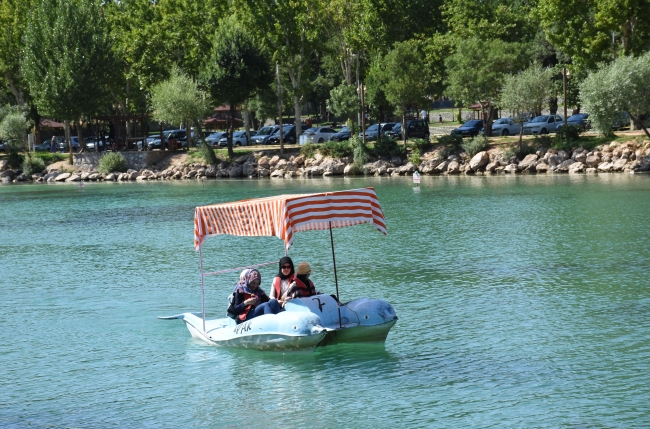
627	157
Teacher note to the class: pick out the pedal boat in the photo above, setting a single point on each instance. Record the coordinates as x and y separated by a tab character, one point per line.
306	322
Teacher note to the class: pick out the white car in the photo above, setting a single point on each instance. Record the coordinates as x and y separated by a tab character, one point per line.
505	127
543	124
319	134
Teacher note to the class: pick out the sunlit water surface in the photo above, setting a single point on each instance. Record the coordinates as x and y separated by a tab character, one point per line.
522	302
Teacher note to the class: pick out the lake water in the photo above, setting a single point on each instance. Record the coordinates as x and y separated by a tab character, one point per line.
523	301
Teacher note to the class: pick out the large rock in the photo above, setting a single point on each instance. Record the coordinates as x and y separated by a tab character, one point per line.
442	167
576	167
541	167
3	164
94	176
409	168
299	160
8	173
314	170
605	167
73	178
554	160
5	179
511	168
109	177
619	165
249	169
281	164
592	160
491	167
591	170
528	163
479	161
564	165
190	175
277	174
332	166
429	166
235	171
453	167
273	161
211	171
62	177
642	164
263	172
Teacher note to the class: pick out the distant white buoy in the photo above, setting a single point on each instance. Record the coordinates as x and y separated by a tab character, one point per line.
416	180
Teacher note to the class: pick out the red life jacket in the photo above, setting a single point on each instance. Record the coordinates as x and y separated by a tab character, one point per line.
305	289
276	285
243	314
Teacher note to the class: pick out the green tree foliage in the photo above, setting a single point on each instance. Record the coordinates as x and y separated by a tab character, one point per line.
237	68
402	72
14	126
178	99
623	86
343	101
67	58
526	92
13	21
477	69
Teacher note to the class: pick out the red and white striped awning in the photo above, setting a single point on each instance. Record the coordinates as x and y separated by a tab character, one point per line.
284	215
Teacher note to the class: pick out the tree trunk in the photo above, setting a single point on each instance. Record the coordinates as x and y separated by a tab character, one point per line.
66	130
277	74
297	112
82	141
162	139
639	124
404	127
231	154
552	106
247	123
488	122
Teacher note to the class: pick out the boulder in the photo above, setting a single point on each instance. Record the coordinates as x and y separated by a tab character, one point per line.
592	160
442	167
84	175
541	151
299	160
290	174
619	165
8	173
222	173
453	167
605	167
554	160
235	171
277	174
249	169
314	170
190	175
3	164
541	167
528	163
211	171
141	178
94	176
564	165
5	179
263	172
511	168
350	169
273	161
332	166
396	161
563	155
591	170
109	177
580	157
73	178
490	167
576	167
429	166
479	161
62	177
408	168
281	164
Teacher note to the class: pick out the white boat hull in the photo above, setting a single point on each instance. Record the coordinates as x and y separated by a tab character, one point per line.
305	324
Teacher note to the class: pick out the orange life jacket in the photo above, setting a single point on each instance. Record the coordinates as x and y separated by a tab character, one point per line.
276	285
305	289
243	314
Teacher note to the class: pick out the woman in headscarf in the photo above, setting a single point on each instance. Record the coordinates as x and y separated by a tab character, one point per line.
283	280
250	300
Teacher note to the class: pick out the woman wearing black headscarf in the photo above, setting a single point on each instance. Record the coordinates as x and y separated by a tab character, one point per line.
284	278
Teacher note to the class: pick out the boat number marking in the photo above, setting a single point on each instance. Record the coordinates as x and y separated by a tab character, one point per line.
243	327
320	304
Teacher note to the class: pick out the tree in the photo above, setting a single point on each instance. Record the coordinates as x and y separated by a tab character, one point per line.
13	21
526	92
405	84
343	101
67	60
623	86
237	68
177	100
476	72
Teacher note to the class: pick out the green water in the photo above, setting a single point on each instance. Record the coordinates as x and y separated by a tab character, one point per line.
522	302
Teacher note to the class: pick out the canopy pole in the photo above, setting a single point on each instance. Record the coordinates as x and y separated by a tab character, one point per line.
202	286
336	279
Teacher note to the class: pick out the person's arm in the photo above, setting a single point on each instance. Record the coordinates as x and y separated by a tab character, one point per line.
239	306
273	291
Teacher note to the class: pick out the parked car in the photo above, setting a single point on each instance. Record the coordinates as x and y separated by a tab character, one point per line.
622	121
289	132
505	127
319	134
375	130
238	139
92	142
214	138
47	145
415	128
469	129
263	134
63	144
543	124
341	135
579	119
155	142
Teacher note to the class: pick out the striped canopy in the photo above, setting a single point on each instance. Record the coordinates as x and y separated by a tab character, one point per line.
283	215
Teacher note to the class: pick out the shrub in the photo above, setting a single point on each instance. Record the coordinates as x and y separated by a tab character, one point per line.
568	135
32	164
112	161
475	145
14	158
359	151
444	152
208	154
308	150
388	147
414	157
454	140
336	149
421	145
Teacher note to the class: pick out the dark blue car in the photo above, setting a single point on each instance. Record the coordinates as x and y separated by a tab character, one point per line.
343	134
469	128
579	119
